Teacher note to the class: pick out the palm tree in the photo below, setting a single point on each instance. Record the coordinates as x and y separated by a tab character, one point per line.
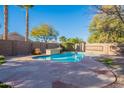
27	20
5	35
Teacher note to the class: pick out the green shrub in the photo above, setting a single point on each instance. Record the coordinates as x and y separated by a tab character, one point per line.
4	86
107	61
67	46
2	59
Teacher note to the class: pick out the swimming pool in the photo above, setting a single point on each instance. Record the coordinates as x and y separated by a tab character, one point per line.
63	57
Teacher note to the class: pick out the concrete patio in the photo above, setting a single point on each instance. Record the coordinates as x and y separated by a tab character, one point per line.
38	74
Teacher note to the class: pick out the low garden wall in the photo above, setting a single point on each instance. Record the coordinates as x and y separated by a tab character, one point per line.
104	48
13	48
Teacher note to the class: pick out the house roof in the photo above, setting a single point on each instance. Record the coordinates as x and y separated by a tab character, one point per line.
15	36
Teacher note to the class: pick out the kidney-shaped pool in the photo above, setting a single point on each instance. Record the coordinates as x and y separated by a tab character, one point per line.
63	57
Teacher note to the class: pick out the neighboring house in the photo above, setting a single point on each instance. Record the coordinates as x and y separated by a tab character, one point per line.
15	36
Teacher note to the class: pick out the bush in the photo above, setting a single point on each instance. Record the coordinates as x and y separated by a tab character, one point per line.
2	59
107	61
67	46
4	86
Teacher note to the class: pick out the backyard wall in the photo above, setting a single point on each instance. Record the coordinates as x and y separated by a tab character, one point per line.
103	48
13	48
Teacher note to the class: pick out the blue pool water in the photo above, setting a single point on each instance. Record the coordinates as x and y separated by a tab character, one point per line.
63	57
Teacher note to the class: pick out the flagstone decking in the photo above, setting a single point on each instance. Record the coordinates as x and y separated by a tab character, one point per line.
39	74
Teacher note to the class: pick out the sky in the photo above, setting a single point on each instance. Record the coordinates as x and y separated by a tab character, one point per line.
68	20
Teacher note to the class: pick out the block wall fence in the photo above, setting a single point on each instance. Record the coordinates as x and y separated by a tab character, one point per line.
15	48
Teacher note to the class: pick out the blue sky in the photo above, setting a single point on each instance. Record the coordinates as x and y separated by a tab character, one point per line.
69	21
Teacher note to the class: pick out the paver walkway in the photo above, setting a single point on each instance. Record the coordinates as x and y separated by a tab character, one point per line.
38	74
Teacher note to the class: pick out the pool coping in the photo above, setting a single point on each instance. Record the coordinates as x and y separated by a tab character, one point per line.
30	58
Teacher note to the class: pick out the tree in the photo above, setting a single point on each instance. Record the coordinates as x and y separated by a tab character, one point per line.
70	40
44	33
27	20
106	29
112	10
75	40
69	44
62	39
5	35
